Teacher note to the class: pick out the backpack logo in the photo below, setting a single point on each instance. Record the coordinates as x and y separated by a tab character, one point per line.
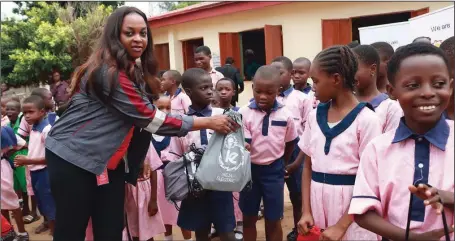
234	154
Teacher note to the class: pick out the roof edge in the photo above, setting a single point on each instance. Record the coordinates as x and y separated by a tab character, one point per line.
205	11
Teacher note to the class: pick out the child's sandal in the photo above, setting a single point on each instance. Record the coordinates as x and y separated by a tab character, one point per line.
30	219
213	233
238	235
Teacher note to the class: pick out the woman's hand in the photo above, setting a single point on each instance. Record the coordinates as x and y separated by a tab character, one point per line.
222	124
152	208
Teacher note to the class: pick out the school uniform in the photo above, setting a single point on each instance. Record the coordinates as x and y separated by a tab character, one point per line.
20	183
9	199
267	134
24	130
236	195
299	106
214	207
335	150
215	75
388	111
397	159
308	90
180	102
137	198
39	173
5	120
169	213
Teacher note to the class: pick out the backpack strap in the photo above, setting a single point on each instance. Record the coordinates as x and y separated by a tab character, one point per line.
408	223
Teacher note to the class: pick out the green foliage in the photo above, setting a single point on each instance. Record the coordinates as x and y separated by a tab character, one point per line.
85	31
170	6
50	36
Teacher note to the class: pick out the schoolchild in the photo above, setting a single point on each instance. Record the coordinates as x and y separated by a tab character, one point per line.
214	207
335	137
388	111
299	105
417	155
270	130
170	84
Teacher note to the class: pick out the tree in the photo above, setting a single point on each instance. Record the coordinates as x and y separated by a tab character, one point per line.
22	7
47	40
85	31
170	6
49	37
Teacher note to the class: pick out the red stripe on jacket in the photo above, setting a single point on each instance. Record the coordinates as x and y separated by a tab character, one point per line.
134	97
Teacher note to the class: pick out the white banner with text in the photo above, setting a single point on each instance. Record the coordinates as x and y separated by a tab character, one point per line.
437	25
396	34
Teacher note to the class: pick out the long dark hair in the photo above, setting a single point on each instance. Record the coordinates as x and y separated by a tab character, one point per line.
110	51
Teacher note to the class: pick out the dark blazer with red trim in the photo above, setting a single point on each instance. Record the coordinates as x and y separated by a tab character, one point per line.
91	131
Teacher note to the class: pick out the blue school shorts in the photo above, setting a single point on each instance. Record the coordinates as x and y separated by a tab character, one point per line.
294	181
268	185
214	207
42	189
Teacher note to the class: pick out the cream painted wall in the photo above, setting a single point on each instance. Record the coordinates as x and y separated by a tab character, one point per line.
300	21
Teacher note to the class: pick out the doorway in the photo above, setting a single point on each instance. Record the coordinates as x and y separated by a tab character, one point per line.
366	21
162	55
254	40
188	48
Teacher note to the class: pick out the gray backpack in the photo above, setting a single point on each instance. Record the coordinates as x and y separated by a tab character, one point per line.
226	164
179	181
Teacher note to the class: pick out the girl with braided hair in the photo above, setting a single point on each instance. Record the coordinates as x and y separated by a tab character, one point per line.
333	140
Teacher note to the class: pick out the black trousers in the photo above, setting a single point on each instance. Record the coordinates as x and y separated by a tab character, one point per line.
78	198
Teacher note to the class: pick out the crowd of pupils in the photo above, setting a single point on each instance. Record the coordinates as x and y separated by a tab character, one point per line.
375	128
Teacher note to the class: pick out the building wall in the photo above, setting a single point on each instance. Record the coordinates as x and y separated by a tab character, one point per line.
301	25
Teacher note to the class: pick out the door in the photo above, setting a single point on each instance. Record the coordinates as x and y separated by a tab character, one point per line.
188	55
419	12
230	47
188	48
162	56
336	32
273	42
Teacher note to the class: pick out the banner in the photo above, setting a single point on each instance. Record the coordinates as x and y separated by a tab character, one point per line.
396	34
437	25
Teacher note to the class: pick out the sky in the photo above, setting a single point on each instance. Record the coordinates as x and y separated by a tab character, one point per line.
7	10
149	8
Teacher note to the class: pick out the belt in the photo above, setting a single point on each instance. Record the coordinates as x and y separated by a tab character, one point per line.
333	179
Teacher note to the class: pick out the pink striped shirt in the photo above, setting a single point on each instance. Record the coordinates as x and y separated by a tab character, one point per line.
388	166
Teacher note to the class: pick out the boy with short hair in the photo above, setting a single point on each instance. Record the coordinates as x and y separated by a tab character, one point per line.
49	103
5	120
299	106
202	57
170	82
448	46
13	111
271	132
300	74
35	115
25	129
385	51
214	207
